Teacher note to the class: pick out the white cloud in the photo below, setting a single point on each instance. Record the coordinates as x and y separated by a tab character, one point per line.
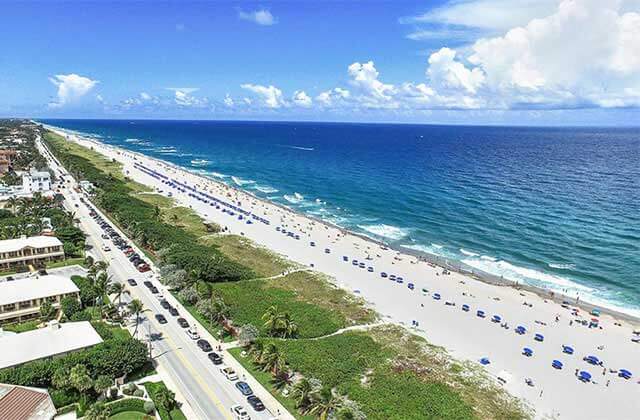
261	17
333	96
183	97
373	93
271	96
145	96
491	15
445	72
228	101
587	51
71	87
301	98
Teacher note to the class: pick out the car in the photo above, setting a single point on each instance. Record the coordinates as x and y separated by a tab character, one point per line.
147	283
255	402
165	304
173	311
105	248
215	358
239	413
183	322
193	334
134	256
229	373
143	268
204	345
161	319
104	236
154	289
244	388
160	297
132	282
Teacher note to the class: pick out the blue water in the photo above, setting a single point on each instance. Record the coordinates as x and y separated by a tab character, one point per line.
552	207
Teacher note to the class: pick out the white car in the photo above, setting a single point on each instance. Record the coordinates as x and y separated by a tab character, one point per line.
160	296
105	248
193	334
239	412
229	373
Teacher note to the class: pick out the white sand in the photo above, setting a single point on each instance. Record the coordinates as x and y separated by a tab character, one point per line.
556	393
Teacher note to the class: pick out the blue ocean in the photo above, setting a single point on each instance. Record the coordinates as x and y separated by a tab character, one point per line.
551	207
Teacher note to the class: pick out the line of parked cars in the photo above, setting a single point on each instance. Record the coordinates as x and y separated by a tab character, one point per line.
110	233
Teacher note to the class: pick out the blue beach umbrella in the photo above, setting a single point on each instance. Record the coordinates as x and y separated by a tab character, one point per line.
520	330
624	373
592	360
539	337
567	349
584	376
557	364
527	352
480	314
465	308
436	296
496	318
485	361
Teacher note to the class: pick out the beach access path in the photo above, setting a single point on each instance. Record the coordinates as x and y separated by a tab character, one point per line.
555	392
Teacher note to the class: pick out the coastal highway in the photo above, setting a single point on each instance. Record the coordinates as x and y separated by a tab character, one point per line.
207	392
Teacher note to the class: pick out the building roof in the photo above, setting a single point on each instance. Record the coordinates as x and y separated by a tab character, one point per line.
21	403
30	288
9	245
46	342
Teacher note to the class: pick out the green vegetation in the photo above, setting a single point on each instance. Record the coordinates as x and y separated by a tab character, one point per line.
23	326
127	405
382	373
161	397
130	415
65	263
262	261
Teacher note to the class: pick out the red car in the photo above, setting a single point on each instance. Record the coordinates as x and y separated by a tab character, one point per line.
143	268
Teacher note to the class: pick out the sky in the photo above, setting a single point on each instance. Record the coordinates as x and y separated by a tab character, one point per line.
531	62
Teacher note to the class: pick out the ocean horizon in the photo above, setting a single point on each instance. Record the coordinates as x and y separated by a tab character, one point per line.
552	207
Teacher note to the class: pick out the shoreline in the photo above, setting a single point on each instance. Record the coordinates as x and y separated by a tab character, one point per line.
465	335
439	261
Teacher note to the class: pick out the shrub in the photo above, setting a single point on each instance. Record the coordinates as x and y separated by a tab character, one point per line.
149	407
127	404
138	393
70	306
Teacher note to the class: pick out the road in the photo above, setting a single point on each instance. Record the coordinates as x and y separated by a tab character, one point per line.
209	394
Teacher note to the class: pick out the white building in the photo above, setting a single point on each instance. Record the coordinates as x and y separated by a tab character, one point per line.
32	250
21	299
54	340
36	181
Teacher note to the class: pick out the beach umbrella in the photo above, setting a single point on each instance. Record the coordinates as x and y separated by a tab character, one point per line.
485	361
584	376
520	329
557	364
465	307
567	349
496	318
593	360
410	286
527	352
539	337
480	314
436	296
624	373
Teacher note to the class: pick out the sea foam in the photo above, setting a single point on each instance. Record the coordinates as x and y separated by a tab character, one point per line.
386	231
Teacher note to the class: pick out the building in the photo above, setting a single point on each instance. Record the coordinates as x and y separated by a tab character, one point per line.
33	250
7	156
36	181
22	403
21	299
54	340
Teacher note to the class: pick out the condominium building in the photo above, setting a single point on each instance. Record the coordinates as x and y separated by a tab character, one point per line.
21	299
32	250
36	181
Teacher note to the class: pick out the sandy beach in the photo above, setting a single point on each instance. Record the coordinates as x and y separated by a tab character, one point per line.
554	393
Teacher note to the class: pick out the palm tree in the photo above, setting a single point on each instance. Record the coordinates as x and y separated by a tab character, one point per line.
256	349
272	359
271	318
281	379
287	327
101	285
325	404
98	411
136	308
12	202
118	290
302	392
102	384
166	399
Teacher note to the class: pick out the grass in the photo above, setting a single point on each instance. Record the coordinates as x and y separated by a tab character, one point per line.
393	374
313	303
65	263
23	326
130	415
261	260
176	413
